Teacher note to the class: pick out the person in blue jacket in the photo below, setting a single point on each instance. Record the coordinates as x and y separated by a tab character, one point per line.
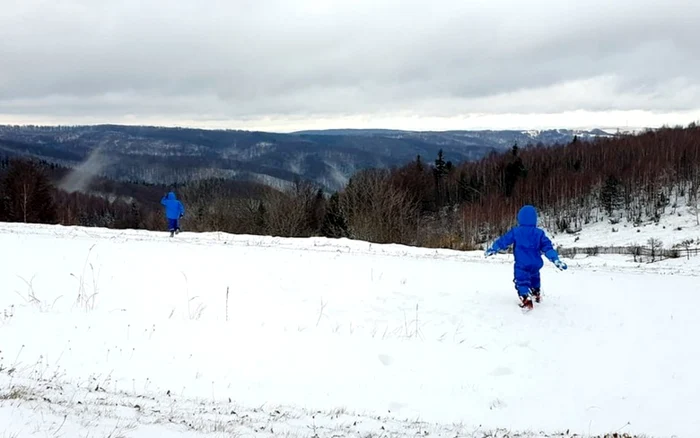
174	210
529	242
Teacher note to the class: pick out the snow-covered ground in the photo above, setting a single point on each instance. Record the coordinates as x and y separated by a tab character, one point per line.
134	334
672	229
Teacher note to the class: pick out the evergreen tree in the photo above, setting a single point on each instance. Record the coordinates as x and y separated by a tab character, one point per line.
611	196
260	218
419	164
440	170
317	212
334	222
135	216
514	170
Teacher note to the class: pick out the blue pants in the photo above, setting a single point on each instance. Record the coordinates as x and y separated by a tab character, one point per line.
173	224
526	279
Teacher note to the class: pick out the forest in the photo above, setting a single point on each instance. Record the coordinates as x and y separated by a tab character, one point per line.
430	202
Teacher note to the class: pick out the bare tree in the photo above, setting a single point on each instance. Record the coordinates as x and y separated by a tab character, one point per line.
656	246
694	194
294	212
28	193
377	210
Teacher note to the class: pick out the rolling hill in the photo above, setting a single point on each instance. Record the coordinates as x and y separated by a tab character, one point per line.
328	158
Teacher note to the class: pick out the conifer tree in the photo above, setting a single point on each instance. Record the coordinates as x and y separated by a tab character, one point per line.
334	222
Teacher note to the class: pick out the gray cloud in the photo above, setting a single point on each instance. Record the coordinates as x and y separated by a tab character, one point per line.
252	59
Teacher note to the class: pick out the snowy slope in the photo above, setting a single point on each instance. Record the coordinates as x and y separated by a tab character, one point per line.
131	333
672	229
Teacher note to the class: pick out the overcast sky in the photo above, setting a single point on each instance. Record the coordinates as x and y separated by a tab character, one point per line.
296	64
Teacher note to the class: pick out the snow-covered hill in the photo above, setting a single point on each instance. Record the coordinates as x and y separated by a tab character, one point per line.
134	334
328	157
672	229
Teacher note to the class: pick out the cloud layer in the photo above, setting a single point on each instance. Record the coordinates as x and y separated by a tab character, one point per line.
283	62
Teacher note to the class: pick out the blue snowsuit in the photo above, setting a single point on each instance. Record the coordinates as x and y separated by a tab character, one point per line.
174	210
529	244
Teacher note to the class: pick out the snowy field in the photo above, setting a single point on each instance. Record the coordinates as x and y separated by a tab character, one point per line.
134	334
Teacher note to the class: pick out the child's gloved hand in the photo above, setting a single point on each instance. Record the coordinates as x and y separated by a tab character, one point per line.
489	252
559	264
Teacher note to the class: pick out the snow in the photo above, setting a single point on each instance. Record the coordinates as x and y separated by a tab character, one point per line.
671	229
135	334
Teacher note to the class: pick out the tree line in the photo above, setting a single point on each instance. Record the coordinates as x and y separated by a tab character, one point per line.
426	202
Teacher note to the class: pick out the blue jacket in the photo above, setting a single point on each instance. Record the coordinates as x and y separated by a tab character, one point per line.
173	208
528	240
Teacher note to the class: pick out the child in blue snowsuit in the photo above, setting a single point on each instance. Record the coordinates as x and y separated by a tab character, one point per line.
174	210
529	244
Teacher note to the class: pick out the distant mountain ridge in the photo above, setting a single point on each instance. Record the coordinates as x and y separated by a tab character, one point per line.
532	133
163	155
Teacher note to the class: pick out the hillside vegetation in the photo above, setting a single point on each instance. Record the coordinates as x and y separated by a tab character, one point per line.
429	202
160	155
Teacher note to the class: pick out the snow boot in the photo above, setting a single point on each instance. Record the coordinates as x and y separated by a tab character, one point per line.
536	293
525	302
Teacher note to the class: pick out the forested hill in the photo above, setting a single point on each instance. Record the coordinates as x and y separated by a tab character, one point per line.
328	158
622	181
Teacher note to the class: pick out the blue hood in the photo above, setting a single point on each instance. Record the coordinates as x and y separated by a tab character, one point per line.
173	208
527	216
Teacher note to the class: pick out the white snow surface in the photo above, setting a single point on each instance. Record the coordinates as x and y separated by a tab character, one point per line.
672	229
132	334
